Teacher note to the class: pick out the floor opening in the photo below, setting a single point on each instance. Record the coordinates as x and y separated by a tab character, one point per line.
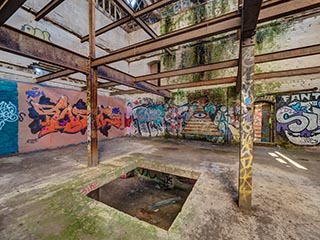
151	196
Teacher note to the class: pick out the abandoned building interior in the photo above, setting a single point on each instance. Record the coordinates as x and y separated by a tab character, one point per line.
160	119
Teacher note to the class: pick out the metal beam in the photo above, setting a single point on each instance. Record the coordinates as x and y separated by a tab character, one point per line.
52	76
191	70
288	73
249	19
92	93
8	8
217	81
118	23
258	76
108	85
250	13
139	21
103	85
268	57
206	29
108	27
287	54
106	72
24	44
47	9
123	92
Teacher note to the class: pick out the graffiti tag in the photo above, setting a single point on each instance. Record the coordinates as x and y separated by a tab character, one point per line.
49	117
89	188
298	118
8	113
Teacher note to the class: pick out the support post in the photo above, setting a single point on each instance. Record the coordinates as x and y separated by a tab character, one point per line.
92	93
246	123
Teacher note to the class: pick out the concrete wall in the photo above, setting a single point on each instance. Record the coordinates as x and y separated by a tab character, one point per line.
33	117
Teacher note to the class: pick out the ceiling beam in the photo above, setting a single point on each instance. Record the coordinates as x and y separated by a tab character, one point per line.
123	92
103	85
288	73
108	27
268	57
51	76
199	31
108	85
199	83
127	80
139	21
287	54
8	8
47	9
258	76
124	20
190	70
24	44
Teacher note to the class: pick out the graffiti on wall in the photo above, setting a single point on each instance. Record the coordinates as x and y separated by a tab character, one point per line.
8	113
45	35
60	116
144	117
298	118
176	117
213	122
9	116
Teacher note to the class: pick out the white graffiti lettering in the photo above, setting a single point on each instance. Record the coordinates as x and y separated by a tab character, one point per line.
299	120
8	113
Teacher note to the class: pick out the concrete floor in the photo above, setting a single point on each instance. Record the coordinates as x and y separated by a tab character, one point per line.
42	193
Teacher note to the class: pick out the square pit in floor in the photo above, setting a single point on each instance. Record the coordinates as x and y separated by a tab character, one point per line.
151	196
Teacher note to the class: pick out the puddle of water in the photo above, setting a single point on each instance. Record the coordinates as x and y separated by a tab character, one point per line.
148	195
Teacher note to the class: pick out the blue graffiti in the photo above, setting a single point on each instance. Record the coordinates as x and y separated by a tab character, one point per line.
148	119
34	92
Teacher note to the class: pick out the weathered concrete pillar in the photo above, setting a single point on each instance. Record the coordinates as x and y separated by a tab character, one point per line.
246	123
92	93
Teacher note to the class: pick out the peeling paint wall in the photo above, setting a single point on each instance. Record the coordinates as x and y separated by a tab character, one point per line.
35	117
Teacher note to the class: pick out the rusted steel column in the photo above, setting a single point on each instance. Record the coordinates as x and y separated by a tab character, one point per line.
92	93
246	123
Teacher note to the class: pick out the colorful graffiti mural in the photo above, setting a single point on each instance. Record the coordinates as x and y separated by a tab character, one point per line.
144	117
298	118
8	118
213	122
196	120
50	117
176	117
